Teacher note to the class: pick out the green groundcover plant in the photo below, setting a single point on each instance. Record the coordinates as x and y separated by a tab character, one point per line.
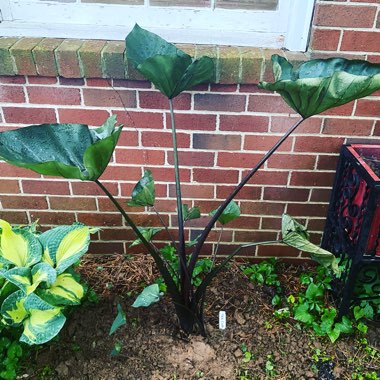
37	280
76	151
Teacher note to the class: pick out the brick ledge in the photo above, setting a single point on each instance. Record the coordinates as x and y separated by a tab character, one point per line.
72	58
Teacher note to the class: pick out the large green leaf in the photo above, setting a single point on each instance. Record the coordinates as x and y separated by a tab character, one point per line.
65	150
65	245
296	236
231	212
144	193
170	69
320	84
18	247
66	290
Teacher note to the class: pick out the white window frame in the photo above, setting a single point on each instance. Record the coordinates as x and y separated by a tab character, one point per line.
287	27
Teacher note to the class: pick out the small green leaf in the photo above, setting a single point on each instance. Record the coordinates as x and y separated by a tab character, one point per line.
276	300
314	291
362	327
231	212
190	213
119	321
301	313
144	192
148	296
116	348
345	326
147	232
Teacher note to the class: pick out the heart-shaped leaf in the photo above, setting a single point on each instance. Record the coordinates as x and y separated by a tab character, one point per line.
320	84
170	69
190	213
119	321
231	212
144	193
147	232
148	296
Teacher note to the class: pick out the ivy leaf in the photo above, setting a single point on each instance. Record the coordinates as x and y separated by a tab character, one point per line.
301	313
345	326
116	348
190	213
144	192
148	296
314	291
320	84
231	212
119	321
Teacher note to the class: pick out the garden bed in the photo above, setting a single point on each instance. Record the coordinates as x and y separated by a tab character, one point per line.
254	346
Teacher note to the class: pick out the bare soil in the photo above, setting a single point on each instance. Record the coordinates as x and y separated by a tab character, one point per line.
154	349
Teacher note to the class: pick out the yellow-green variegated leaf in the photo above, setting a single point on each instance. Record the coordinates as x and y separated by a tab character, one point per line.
44	321
66	290
18	247
65	245
43	272
21	277
13	310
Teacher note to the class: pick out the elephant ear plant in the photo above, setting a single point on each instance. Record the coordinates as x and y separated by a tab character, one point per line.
310	89
37	280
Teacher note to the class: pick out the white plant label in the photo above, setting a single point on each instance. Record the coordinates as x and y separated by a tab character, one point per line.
222	320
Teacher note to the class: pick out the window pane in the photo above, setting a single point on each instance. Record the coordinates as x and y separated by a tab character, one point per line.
267	5
126	2
180	3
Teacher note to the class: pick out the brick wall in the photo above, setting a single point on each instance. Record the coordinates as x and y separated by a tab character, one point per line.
223	129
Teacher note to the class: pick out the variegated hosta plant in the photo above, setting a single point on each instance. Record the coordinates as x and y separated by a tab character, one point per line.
37	280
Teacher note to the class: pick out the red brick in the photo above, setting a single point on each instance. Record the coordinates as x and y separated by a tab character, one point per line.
54	95
164	139
376	131
9	186
90	188
151	120
323	39
105	204
98	82
217	87
277	251
285	194
307	209
155	100
12	80
215	176
318	144
128	138
8	170
41	80
45	187
192	122
29	115
83	116
366	107
345	16
122	173
361	41
140	156
244	222
244	123
103	219
292	161
53	217
320	179
316	224
14	217
268	103
247	192
238	160
265	143
109	98
167	174
271	223
23	202
344	110
347	127
320	195
219	102
216	141
262	208
193	191
71	81
117	234
193	159
254	236
264	177
68	203
104	248
131	83
282	124
327	162
12	94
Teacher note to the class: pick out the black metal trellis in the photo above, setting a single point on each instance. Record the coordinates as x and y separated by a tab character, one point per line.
352	230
